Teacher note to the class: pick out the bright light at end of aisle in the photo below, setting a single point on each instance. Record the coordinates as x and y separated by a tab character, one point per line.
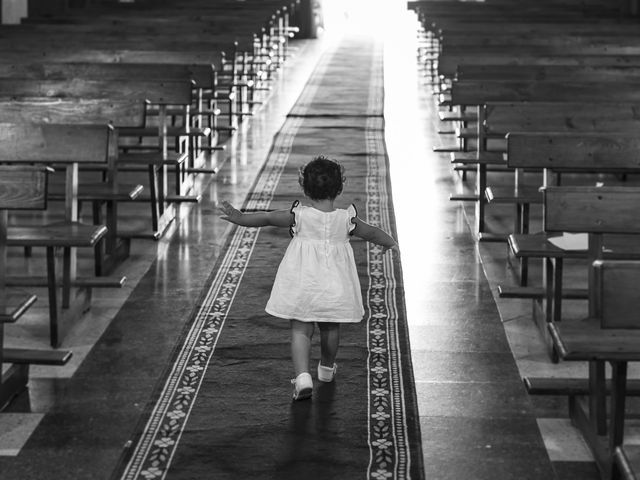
365	16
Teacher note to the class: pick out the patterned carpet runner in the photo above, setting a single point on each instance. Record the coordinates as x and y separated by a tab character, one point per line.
224	410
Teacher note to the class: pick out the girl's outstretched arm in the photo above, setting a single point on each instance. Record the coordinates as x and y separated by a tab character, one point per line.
275	218
374	235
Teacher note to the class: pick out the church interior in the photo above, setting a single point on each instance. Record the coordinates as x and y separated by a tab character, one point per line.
496	141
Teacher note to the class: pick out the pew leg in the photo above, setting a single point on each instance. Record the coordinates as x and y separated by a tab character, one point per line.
154	201
618	394
522	226
548	284
481	185
524	271
53	300
597	397
66	277
557	290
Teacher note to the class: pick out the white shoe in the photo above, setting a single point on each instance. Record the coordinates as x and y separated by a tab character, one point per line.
302	386
327	374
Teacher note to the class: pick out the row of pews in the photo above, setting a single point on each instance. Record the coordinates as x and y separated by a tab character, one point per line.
540	115
112	107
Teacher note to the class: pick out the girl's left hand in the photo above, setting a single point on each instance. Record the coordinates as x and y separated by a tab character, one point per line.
393	248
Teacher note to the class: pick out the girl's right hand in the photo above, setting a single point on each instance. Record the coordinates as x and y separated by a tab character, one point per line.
230	213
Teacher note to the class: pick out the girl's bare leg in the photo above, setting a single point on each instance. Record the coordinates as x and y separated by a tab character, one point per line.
329	343
301	333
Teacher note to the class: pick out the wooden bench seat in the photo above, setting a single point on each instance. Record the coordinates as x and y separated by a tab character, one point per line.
467	116
63	234
98	192
81	282
511	195
475	158
16	378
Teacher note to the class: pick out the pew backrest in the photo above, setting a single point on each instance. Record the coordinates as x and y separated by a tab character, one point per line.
546	72
616	299
588	152
591	209
472	93
157	92
616	116
448	64
202	74
56	143
120	113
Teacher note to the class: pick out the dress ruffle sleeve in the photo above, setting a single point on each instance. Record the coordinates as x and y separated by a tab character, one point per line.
352	213
294	208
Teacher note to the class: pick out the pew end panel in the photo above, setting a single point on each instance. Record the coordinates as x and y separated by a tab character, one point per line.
21	188
616	294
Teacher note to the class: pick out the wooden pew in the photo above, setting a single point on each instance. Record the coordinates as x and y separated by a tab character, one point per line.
220	89
556	154
104	193
605	213
553	152
155	156
68	145
137	34
609	334
478	93
20	188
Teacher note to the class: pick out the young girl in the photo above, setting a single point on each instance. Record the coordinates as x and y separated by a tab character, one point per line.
317	281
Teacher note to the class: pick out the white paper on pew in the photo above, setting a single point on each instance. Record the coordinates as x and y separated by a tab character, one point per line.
571	241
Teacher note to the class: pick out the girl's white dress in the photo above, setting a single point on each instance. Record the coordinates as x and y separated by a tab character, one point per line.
317	280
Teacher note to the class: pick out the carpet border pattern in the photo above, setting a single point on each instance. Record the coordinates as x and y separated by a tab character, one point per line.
389	444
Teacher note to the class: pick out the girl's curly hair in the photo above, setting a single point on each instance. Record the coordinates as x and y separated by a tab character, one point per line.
322	178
